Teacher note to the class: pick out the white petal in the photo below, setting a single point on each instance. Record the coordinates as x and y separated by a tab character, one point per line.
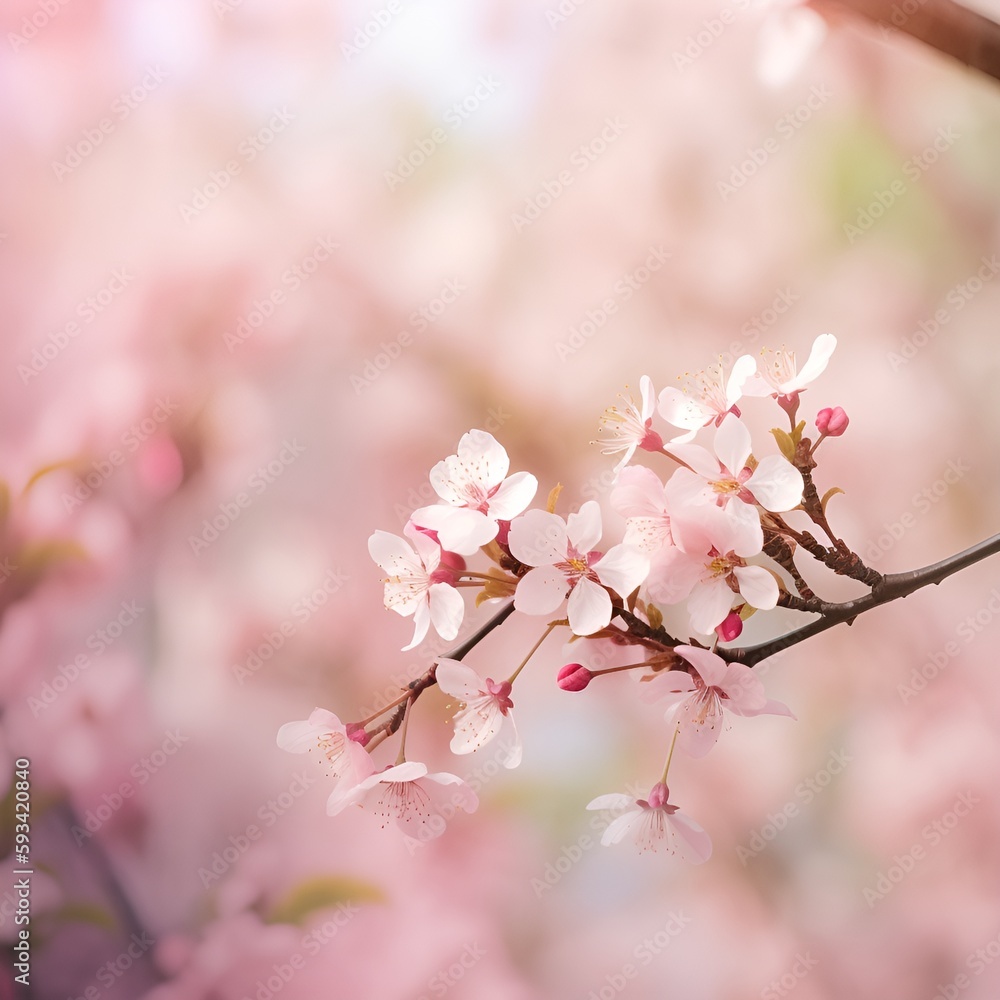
672	576
613	800
515	749
618	829
458	680
465	530
711	668
540	591
584	527
648	397
686	488
476	724
393	554
639	493
426	548
746	537
301	737
689	841
421	623
589	608
674	685
709	604
447	609
513	496
743	368
732	443
462	795
484	457
776	484
758	587
538	538
823	346
622	568
679	409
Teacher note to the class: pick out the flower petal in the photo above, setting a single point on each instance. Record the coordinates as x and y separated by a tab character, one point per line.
711	667
822	348
622	568
447	609
613	800
758	587
538	538
300	737
458	680
743	368
393	554
584	527
513	496
679	409
732	443
688	840
540	591
589	608
463	530
709	604
421	623
776	484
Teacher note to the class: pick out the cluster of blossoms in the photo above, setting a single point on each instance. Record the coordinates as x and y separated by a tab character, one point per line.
711	543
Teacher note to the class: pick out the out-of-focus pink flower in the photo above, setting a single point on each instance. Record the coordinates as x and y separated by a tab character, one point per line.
779	375
697	699
487	708
347	759
565	562
417	802
705	396
476	492
412	589
655	824
631	427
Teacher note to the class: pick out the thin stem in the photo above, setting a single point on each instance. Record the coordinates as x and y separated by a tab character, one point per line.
670	756
892	587
531	652
382	711
401	756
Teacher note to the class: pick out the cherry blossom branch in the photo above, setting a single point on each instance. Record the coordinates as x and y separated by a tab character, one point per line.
947	26
892	587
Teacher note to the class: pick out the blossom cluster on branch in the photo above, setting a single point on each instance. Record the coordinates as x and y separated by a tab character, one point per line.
712	543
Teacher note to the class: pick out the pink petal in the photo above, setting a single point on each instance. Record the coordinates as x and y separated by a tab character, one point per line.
462	530
540	591
476	725
622	568
758	587
679	409
701	460
671	685
589	608
689	841
462	796
300	737
421	623
639	493
744	688
696	738
743	534
393	554
770	707
711	667
822	348
584	527
743	368
458	680
513	496
618	829
709	604
732	443
776	484
447	609
426	548
538	538
673	574
483	456
613	800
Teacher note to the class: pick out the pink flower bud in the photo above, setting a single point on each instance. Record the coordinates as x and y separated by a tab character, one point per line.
502	533
730	628
574	677
652	441
357	733
832	422
452	565
658	796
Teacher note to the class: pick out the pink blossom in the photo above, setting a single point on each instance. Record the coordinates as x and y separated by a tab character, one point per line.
709	568
345	756
632	426
697	699
778	374
566	564
641	499
414	800
414	587
775	483
653	824
476	493
487	709
705	397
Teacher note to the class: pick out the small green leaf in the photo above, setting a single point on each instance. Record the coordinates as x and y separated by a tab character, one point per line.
654	615
785	443
797	433
320	893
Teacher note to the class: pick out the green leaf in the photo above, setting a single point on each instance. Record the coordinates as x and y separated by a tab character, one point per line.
322	892
785	443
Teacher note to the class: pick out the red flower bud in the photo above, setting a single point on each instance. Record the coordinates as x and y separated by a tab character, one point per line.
730	628
574	677
832	422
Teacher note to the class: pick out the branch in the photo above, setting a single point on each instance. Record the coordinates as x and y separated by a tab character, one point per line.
892	587
944	25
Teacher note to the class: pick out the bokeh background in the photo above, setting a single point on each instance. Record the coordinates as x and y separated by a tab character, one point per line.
293	251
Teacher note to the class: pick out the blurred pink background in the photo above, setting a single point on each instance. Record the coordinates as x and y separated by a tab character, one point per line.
294	251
